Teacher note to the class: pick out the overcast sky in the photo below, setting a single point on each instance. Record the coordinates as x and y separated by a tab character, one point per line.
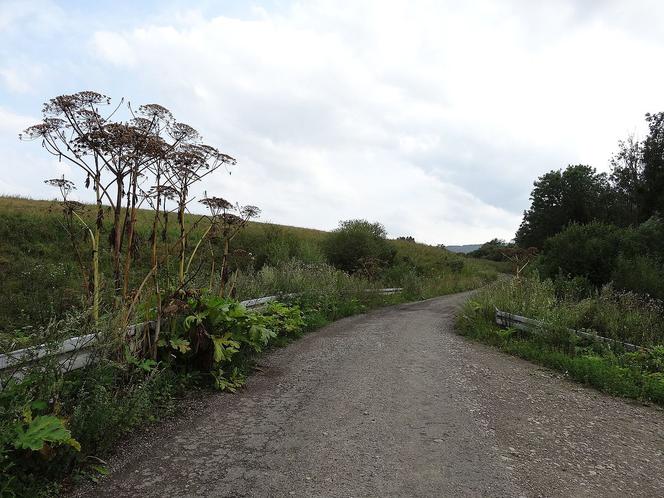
431	117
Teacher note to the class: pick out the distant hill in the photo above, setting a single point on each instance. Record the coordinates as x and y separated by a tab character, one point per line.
465	249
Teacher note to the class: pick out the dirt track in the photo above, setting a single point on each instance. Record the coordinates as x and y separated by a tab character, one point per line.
394	403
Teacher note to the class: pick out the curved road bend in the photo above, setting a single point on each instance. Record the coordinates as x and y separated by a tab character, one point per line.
394	403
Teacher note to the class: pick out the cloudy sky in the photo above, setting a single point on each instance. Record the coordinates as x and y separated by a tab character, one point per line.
432	117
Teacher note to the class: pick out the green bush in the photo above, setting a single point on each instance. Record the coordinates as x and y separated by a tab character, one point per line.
641	274
221	337
588	251
358	245
631	258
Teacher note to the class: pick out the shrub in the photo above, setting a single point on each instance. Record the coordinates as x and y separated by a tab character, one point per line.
588	251
220	336
641	274
359	245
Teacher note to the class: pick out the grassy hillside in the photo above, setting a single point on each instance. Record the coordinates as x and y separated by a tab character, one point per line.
42	279
203	341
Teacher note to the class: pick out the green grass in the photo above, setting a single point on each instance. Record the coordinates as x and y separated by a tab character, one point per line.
42	280
623	316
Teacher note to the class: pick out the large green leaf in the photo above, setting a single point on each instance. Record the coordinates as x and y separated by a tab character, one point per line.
180	344
224	347
41	430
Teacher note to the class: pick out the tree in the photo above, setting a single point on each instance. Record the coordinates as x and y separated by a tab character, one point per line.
358	245
627	181
637	175
653	167
576	195
492	250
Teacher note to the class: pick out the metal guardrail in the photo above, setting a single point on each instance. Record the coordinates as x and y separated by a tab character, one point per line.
505	319
77	352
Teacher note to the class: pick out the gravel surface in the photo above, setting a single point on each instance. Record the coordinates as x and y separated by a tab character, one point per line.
394	403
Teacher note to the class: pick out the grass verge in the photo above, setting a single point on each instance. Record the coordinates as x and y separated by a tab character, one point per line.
123	391
637	375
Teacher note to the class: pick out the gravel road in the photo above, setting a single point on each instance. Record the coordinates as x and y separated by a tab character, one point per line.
394	403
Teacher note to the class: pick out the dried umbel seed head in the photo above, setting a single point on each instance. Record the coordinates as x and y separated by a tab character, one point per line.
65	186
72	103
164	191
189	157
43	129
154	147
155	112
184	133
88	97
250	211
61	183
230	219
216	205
142	124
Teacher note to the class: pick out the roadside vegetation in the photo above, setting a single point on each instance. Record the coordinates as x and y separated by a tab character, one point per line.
138	256
590	258
623	316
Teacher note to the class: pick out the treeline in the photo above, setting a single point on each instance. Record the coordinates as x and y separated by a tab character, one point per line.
594	244
629	195
593	228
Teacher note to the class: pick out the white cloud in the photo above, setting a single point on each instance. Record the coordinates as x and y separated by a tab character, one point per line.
24	167
13	123
41	14
114	48
432	117
20	77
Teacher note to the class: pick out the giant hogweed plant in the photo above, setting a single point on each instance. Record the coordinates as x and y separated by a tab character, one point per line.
131	158
220	336
128	156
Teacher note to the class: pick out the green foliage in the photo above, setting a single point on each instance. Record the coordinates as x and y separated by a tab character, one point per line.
492	250
622	316
287	319
43	429
600	253
231	382
642	274
358	245
632	194
576	195
88	410
215	335
588	251
652	174
145	364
